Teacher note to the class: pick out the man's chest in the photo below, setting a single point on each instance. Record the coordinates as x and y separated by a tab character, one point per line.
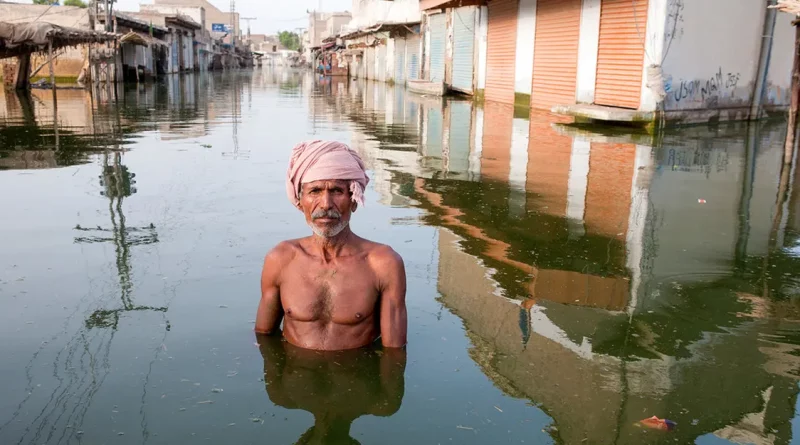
342	293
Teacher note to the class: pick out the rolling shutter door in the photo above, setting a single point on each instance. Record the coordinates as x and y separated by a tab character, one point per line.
555	53
370	63
380	67
501	51
438	28
620	55
412	56
463	48
400	61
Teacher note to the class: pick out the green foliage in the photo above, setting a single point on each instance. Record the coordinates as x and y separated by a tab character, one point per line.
45	2
289	40
78	3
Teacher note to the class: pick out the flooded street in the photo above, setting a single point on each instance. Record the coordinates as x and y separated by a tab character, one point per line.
562	285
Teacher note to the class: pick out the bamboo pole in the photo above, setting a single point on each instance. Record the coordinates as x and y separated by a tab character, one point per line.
791	134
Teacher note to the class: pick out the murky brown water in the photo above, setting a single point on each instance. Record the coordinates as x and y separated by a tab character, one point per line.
563	285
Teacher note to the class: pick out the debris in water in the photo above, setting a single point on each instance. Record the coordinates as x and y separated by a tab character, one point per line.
232	373
216	390
205	402
223	306
498	408
695	422
657	424
465	428
257	420
701	201
182	409
205	145
231	424
120	433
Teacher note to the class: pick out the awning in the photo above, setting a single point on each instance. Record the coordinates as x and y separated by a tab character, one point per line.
135	38
410	27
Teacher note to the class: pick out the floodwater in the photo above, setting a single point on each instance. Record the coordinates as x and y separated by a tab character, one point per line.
563	284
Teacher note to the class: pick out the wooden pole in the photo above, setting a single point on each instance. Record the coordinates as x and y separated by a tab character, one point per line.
55	95
791	134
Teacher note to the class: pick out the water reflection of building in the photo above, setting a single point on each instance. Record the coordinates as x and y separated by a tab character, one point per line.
604	278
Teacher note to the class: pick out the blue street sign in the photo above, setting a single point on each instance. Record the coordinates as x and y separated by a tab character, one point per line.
219	27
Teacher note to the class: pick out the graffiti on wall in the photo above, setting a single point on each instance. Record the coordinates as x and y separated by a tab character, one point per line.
705	91
674	28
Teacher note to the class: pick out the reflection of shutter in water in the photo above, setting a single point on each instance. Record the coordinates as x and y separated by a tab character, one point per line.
460	123
463	47
438	38
433	145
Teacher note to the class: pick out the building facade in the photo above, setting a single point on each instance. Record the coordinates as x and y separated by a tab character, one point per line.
614	59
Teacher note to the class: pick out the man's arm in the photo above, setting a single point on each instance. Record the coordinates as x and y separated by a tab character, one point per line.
270	310
393	317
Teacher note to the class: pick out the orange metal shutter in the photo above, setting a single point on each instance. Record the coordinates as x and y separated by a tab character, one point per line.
501	52
620	56
555	53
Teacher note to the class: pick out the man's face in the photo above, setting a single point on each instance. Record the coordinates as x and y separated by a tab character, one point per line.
327	206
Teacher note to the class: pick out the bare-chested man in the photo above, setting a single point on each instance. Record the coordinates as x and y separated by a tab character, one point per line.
332	290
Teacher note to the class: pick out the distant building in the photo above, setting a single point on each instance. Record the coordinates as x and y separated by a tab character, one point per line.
213	16
322	25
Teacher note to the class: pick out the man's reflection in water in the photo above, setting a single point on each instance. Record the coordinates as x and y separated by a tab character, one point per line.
337	387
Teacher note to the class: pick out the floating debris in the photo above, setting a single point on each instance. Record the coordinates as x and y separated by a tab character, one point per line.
657	424
497	408
465	428
205	402
216	390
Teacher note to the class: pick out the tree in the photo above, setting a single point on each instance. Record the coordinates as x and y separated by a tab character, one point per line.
45	2
78	3
289	40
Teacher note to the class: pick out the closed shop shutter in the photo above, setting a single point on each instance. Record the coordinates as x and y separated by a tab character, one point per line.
438	28
413	56
463	48
501	51
400	61
380	66
371	63
620	56
555	53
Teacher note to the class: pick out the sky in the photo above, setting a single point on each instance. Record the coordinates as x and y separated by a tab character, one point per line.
271	15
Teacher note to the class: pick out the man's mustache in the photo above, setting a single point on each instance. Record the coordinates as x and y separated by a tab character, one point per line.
330	214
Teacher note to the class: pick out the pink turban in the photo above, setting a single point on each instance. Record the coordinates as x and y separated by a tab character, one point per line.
325	160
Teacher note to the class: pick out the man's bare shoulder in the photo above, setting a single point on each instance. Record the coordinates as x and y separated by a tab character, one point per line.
383	256
284	251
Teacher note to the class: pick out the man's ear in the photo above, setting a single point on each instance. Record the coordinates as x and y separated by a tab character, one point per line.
354	207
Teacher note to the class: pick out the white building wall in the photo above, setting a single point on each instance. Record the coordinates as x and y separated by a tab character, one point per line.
482	35
367	13
711	61
588	44
526	29
390	59
196	13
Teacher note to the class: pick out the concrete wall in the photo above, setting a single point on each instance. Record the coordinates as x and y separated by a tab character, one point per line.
711	58
526	28
370	12
196	13
482	35
587	51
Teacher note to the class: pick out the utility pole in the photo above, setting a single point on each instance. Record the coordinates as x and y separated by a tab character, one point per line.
233	22
248	20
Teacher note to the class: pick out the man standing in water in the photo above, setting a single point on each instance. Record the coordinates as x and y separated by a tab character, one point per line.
333	290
